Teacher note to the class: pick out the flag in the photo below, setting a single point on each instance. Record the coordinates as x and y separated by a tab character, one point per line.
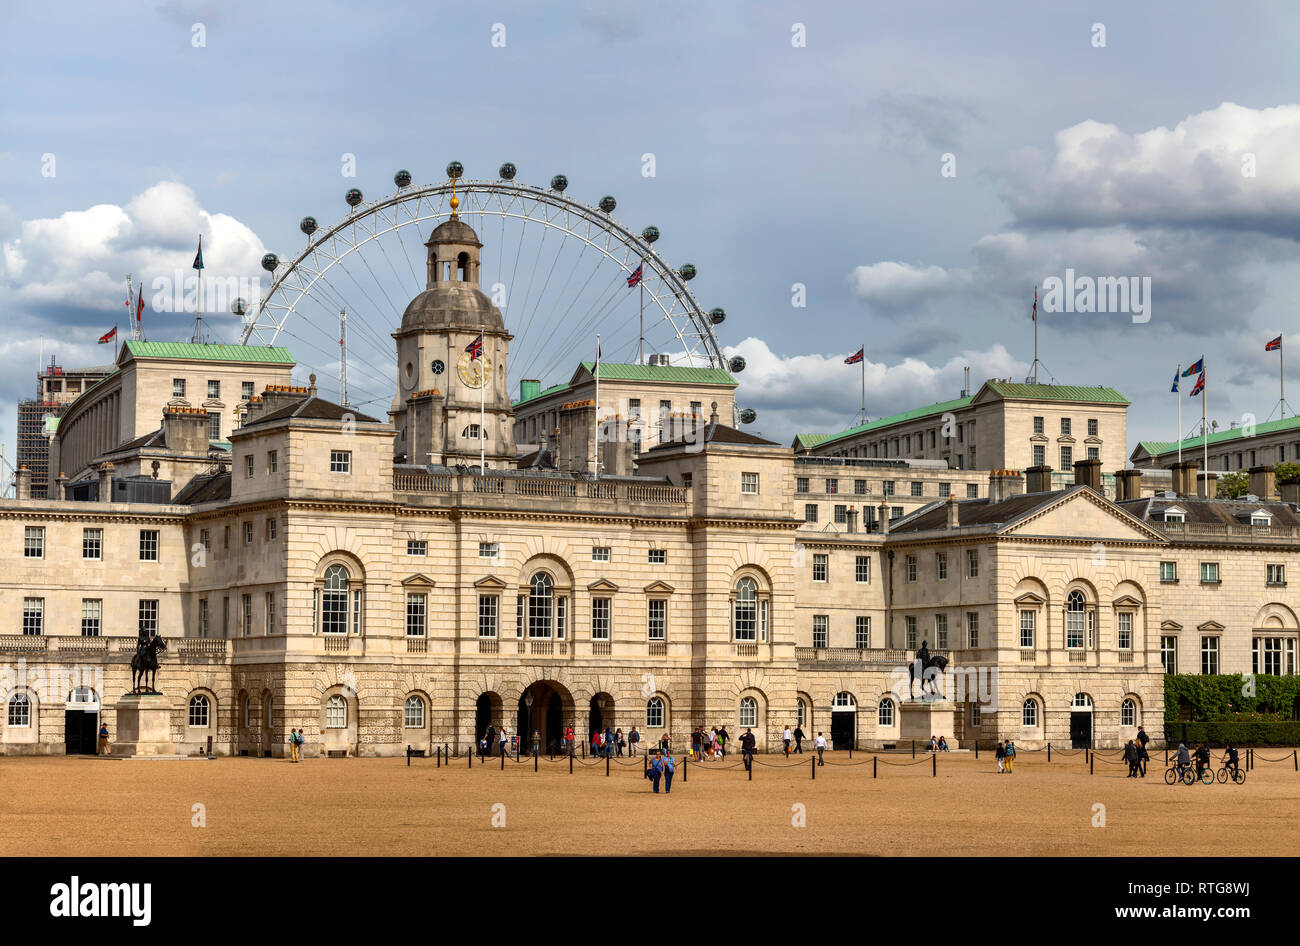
1174	389
475	348
635	278
1274	345
108	336
854	359
1200	386
198	257
597	365
139	306
1194	369
1033	315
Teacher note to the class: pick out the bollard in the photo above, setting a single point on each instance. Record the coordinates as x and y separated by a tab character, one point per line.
606	766
751	768
469	757
913	748
684	764
850	752
408	757
874	760
534	761
446	753
1089	765
813	763
977	749
584	750
570	760
645	764
1049	752
1166	755
439	754
1295	760
934	766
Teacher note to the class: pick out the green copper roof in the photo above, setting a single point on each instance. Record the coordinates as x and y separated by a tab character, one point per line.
191	350
808	441
611	371
1157	448
914	414
1057	392
551	390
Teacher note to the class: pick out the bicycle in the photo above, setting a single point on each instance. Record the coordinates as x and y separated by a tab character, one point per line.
1180	773
1229	772
1206	776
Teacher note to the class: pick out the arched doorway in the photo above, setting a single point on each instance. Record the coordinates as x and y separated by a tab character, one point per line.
600	714
543	708
1081	722
81	722
487	715
844	721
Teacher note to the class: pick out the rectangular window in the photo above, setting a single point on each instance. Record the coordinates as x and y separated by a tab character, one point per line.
1124	630
1169	572
246	389
1040	454
916	488
810	512
269	604
1038	425
910	564
272	461
1275	574
657	622
226	537
92	610
600	615
1209	573
33	616
270	529
821	629
417	547
972	629
832	486
34	542
203	617
248	467
909	622
248	533
1092	426
634	408
801	484
1094	453
687	479
488	550
749	483
519	614
657	556
887	487
600	553
972	491
895	512
860	487
841	514
972	563
417	612
247	613
1209	655
178	387
1169	653
92	544
214	425
819	567
148	626
356	611
941	566
941	631
1273	655
1067	458
561	616
1065	426
862	633
148	545
214	390
862	569
945	490
225	616
488	606
340	461
1028	628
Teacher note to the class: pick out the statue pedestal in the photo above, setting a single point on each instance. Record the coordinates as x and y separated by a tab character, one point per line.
143	726
921	719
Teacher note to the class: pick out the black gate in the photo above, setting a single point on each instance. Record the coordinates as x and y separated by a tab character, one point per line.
1080	730
80	731
843	729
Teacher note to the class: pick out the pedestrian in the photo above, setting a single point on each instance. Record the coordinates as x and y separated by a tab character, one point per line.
537	742
633	738
798	739
491	740
664	743
293	745
504	742
670	766
723	739
619	742
1001	755
1143	759
101	748
1131	757
747	749
820	746
595	744
655	771
483	745
1011	756
609	741
695	743
787	737
715	748
568	740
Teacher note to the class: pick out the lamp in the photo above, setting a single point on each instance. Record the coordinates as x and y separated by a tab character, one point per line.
528	699
600	702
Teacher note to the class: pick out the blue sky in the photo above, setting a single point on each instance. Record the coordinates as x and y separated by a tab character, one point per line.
776	165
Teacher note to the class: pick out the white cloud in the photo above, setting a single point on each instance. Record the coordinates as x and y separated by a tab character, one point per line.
893	285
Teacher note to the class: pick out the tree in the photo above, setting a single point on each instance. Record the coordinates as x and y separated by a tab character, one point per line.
1287	473
1233	485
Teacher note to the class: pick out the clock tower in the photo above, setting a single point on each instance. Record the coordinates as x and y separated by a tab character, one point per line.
452	400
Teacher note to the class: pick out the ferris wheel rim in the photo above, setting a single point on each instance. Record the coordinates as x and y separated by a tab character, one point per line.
414	194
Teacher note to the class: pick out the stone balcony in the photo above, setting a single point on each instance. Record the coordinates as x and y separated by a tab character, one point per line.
113	647
417	486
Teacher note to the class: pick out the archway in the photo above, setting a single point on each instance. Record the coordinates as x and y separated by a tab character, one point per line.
543	708
81	722
487	715
1081	722
844	721
600	714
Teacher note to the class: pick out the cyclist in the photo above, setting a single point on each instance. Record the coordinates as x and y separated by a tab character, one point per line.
1202	759
1230	758
1184	759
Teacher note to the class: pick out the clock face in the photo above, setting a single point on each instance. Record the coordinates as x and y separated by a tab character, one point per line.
473	372
438	367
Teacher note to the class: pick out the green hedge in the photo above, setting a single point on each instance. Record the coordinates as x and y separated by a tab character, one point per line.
1241	734
1219	698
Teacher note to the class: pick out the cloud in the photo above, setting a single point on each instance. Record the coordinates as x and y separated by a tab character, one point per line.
922	123
894	285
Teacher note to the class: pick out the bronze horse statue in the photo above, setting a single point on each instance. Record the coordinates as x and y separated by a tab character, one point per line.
923	662
145	663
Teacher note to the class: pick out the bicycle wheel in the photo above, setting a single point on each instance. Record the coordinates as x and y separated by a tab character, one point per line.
1240	777
1223	776
1189	776
1207	777
1171	776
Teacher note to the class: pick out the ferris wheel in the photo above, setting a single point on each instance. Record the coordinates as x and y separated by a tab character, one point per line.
560	270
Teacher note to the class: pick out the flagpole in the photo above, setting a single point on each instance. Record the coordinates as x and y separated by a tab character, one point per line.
482	408
1035	334
1281	378
198	315
1205	430
864	383
1179	399
595	438
640	349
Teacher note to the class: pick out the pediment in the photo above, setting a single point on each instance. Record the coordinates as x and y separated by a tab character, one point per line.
1083	514
602	584
1039	438
418	581
1170	626
1211	627
659	587
490	581
1126	601
1066	438
1031	598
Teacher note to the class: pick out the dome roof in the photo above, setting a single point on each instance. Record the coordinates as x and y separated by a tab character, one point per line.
454	305
454	230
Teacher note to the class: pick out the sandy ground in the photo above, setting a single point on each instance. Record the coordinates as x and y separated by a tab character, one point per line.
83	806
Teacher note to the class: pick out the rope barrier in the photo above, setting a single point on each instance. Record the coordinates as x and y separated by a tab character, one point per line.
1264	758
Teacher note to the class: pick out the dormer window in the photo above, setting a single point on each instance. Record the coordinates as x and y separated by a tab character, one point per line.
1175	514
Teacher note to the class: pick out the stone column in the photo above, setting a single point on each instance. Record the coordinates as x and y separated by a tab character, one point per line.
23	482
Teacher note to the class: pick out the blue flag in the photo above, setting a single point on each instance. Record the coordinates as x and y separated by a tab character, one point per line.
1174	389
1195	369
198	257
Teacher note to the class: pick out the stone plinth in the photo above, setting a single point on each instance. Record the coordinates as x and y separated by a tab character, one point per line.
921	719
143	726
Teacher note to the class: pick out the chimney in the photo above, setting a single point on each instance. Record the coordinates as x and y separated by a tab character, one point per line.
713	413
1208	485
1003	484
1263	482
1038	479
185	430
851	518
1290	492
953	518
311	389
1185	478
1088	473
62	481
106	482
884	518
23	482
1128	485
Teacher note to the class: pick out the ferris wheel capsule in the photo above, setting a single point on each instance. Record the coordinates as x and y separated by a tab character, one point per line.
608	204
687	272
748	415
737	364
239	307
454	170
717	316
650	234
402	178
307	225
559	183
270	261
507	171
353	197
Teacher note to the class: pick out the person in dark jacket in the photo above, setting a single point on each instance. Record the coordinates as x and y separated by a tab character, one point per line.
747	748
1131	757
798	739
655	771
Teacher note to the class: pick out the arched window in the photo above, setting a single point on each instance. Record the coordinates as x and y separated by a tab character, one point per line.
1075	617
801	713
1128	713
541	600
654	713
336	713
414	712
749	712
199	711
20	710
885	717
1029	713
843	700
746	612
268	712
247	711
1082	701
334	601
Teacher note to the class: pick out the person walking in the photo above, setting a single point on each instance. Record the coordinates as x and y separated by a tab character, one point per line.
633	738
1011	756
595	744
619	742
537	742
1143	759
504	741
695	743
747	749
1001	755
798	739
293	745
101	747
491	740
568	740
820	746
787	737
655	771
670	766
608	741
1131	757
723	739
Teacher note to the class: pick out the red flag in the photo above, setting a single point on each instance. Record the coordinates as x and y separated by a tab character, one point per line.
635	278
1034	314
1274	345
139	306
855	358
108	336
1200	386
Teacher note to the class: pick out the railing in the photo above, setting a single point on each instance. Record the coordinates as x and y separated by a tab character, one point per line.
1225	532
746	650
601	649
846	655
1125	656
658	648
337	643
1028	656
419	481
558	489
489	645
23	643
417	645
82	645
201	647
1078	656
489	484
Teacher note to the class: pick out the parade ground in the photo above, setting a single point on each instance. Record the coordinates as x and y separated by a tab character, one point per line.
956	805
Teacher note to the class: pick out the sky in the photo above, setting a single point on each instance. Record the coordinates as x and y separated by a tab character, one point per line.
898	177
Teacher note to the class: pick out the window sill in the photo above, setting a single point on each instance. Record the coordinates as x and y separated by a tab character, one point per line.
1275	584
1168	581
1211	581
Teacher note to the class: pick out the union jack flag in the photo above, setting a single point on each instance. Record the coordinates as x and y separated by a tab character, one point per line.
475	348
854	359
1200	386
635	278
